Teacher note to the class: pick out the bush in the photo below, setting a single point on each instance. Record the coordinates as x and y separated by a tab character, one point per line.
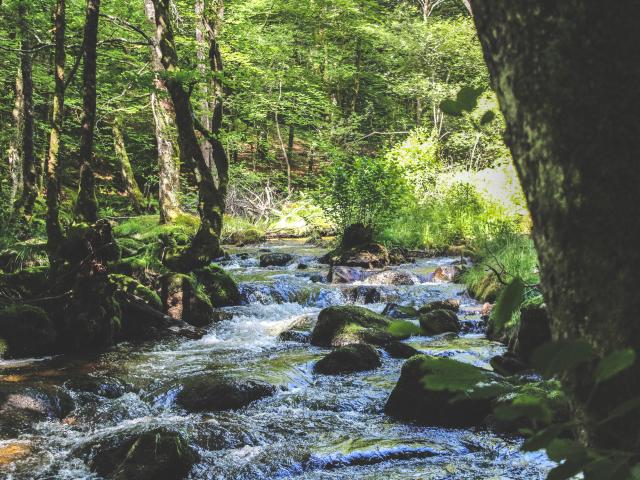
367	190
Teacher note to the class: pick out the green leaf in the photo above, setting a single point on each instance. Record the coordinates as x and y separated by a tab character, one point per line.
622	409
607	468
566	470
467	98
613	364
564	449
451	107
508	302
404	329
562	356
449	374
525	406
487	391
488	117
543	438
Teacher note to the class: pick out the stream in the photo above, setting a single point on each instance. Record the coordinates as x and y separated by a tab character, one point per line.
314	427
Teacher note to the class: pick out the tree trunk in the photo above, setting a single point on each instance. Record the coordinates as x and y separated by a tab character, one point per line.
206	244
54	231
468	6
128	178
165	131
15	143
206	105
566	74
29	170
287	160
292	138
87	203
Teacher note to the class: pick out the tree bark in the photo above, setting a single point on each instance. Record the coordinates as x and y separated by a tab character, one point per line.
29	171
206	244
165	131
206	105
15	143
126	171
87	203
53	168
566	74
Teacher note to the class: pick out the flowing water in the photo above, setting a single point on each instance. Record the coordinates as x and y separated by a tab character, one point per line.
315	427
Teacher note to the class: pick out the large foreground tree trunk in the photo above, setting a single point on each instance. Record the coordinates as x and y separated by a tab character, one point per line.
87	204
54	231
567	76
165	130
206	244
29	169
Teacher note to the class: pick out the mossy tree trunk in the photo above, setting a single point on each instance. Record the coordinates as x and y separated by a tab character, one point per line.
27	200
87	203
14	152
53	168
165	131
206	243
126	171
567	76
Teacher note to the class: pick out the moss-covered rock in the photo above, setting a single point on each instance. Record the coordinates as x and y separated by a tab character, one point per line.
487	289
275	259
135	267
183	298
27	283
372	255
27	331
130	247
397	349
395	311
221	289
440	321
249	236
156	455
450	304
133	287
357	357
337	326
411	401
209	394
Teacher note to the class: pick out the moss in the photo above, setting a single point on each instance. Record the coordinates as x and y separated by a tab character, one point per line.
132	286
29	282
220	288
338	326
130	246
199	309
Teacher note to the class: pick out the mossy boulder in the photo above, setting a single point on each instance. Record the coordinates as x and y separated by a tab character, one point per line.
357	357
397	349
221	289
28	331
131	286
487	289
184	298
395	311
450	304
130	247
209	394
28	283
440	321
275	259
135	267
343	325
411	401
156	455
250	236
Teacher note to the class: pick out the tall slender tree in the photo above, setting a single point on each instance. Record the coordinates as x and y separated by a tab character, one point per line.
87	203
566	74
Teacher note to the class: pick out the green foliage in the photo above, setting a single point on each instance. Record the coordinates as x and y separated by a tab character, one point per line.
508	303
562	356
404	329
367	190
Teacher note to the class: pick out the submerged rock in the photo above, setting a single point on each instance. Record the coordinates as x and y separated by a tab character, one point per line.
107	387
206	394
398	312
357	357
338	326
156	455
275	259
450	304
411	401
27	331
440	321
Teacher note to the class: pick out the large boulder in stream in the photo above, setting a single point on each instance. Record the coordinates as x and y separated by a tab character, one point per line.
208	394
450	304
395	311
357	357
27	331
156	455
343	325
397	349
393	277
411	401
275	259
221	289
440	321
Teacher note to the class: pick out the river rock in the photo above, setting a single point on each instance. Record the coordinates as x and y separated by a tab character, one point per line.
107	387
156	455
393	277
27	331
295	336
346	274
440	321
507	364
275	259
533	331
21	406
373	255
221	289
398	312
250	236
357	357
397	349
207	394
448	273
411	401
450	304
338	326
